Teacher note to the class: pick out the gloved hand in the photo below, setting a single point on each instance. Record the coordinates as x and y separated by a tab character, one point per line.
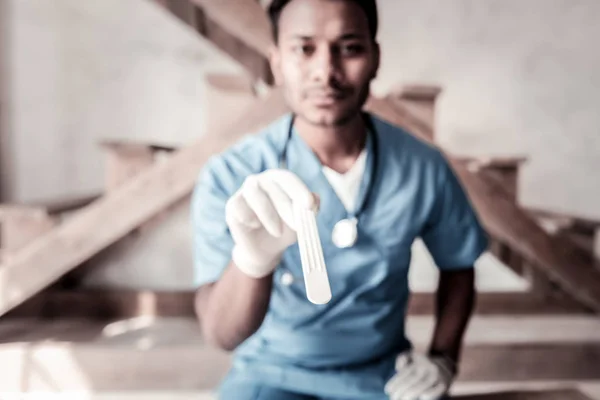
419	377
261	221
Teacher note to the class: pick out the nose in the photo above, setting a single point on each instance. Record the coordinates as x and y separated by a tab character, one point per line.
324	66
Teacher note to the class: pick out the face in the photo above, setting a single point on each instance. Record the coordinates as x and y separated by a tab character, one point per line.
325	60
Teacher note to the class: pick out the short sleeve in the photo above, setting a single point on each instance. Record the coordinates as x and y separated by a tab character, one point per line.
453	233
212	243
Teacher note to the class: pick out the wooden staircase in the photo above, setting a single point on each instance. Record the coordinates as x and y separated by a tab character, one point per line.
41	244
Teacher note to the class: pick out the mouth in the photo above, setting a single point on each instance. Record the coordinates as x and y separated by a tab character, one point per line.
326	98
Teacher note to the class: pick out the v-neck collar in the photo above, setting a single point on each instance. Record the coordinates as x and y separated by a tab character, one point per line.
358	167
302	160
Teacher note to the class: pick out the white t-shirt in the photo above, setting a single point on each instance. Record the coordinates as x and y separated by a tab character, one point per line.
347	185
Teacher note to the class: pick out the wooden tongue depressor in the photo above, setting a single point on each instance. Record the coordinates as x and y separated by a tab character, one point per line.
316	280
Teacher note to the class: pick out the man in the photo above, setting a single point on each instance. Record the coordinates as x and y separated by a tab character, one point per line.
353	167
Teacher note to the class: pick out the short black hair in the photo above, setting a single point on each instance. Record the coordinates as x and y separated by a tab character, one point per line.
368	6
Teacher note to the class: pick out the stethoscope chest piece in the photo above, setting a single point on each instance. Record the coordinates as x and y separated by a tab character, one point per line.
345	233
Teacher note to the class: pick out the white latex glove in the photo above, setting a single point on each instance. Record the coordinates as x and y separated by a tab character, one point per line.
261	220
419	377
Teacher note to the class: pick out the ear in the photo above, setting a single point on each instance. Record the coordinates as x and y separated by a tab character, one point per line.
377	60
275	63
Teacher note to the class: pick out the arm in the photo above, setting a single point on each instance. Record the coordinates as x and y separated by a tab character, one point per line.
232	308
455	240
239	242
454	307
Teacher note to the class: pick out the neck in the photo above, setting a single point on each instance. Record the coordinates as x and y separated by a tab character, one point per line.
336	147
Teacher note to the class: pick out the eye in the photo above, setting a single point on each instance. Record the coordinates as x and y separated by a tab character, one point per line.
303	49
351	49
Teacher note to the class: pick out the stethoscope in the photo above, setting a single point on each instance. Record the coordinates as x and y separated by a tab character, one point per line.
345	231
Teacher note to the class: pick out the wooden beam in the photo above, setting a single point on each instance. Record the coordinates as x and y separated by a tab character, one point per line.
182	9
211	25
118	213
253	61
561	261
244	19
19	229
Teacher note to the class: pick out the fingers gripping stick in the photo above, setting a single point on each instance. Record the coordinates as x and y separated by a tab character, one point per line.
316	280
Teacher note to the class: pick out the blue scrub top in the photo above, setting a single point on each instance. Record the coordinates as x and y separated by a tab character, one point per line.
345	347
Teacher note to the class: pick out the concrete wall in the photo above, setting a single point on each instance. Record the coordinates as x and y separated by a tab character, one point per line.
519	77
82	71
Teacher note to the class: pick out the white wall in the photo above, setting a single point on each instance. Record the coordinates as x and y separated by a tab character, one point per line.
84	70
519	77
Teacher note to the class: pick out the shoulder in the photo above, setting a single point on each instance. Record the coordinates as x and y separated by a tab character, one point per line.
256	152
401	149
